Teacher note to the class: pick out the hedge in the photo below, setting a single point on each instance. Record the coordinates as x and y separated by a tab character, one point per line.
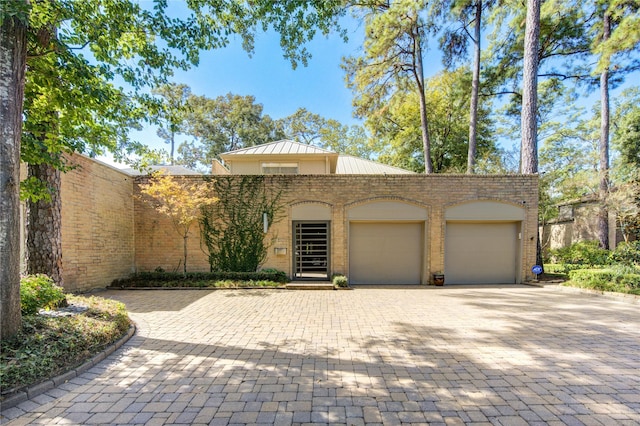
612	279
143	279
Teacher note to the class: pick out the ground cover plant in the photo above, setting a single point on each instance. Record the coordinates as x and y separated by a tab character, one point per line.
587	266
50	345
159	279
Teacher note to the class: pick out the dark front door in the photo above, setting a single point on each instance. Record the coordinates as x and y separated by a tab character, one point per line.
311	248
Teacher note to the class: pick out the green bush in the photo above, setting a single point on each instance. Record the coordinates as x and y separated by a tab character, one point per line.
39	292
627	253
48	346
616	279
564	268
340	280
584	252
199	279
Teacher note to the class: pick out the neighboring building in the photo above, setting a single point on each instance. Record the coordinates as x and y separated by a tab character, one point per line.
577	221
374	223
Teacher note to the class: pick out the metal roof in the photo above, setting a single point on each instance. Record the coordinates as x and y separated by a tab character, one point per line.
282	147
348	165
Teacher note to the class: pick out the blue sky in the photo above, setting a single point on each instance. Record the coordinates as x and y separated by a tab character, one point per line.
269	77
319	87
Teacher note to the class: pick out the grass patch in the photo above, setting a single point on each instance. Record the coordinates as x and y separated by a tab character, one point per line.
48	346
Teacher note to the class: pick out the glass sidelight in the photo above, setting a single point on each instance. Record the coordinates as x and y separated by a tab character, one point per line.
311	250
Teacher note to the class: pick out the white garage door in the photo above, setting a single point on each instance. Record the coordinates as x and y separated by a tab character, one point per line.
385	253
481	253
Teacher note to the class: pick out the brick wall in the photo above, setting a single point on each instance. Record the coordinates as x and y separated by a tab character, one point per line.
97	225
108	232
158	245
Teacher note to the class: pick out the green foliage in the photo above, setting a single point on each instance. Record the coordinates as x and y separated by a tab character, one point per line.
562	268
73	103
201	279
627	253
306	127
142	279
340	280
172	113
397	38
233	228
584	253
447	96
47	346
620	280
626	131
39	292
224	124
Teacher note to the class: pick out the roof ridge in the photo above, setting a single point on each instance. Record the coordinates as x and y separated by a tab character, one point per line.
278	142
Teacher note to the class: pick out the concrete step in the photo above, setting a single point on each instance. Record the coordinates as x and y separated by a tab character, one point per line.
323	285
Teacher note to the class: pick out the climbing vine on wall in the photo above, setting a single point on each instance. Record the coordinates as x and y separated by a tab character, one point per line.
233	228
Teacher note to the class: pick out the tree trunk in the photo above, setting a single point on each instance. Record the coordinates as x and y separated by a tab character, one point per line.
13	54
603	211
424	123
475	87
185	255
529	123
173	141
44	226
529	145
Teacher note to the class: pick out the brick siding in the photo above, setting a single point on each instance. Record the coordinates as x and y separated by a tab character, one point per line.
108	232
97	224
158	245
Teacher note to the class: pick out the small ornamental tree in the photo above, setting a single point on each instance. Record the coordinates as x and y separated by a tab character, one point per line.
179	199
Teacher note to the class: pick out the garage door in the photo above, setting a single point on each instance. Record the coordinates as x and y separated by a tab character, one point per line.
385	253
481	253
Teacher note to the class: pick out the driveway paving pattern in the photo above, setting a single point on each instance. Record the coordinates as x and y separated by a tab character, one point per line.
453	355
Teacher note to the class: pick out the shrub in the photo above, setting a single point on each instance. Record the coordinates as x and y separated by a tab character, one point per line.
340	280
562	268
39	292
47	346
583	252
627	253
617	279
198	279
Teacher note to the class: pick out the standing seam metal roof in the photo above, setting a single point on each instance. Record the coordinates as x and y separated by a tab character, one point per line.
348	165
280	147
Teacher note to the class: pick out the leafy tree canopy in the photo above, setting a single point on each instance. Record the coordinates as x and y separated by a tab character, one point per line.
224	124
447	95
306	127
91	62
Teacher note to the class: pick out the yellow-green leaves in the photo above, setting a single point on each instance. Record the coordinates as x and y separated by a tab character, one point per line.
178	198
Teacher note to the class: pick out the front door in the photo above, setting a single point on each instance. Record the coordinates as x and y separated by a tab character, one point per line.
311	250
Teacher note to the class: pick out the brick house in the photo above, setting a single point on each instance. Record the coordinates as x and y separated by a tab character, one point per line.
374	223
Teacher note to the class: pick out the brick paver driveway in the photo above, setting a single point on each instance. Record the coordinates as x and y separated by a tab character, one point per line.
488	355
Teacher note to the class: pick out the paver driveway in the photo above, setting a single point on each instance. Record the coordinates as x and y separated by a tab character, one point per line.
511	355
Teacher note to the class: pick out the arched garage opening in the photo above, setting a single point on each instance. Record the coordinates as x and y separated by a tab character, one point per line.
483	243
386	243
